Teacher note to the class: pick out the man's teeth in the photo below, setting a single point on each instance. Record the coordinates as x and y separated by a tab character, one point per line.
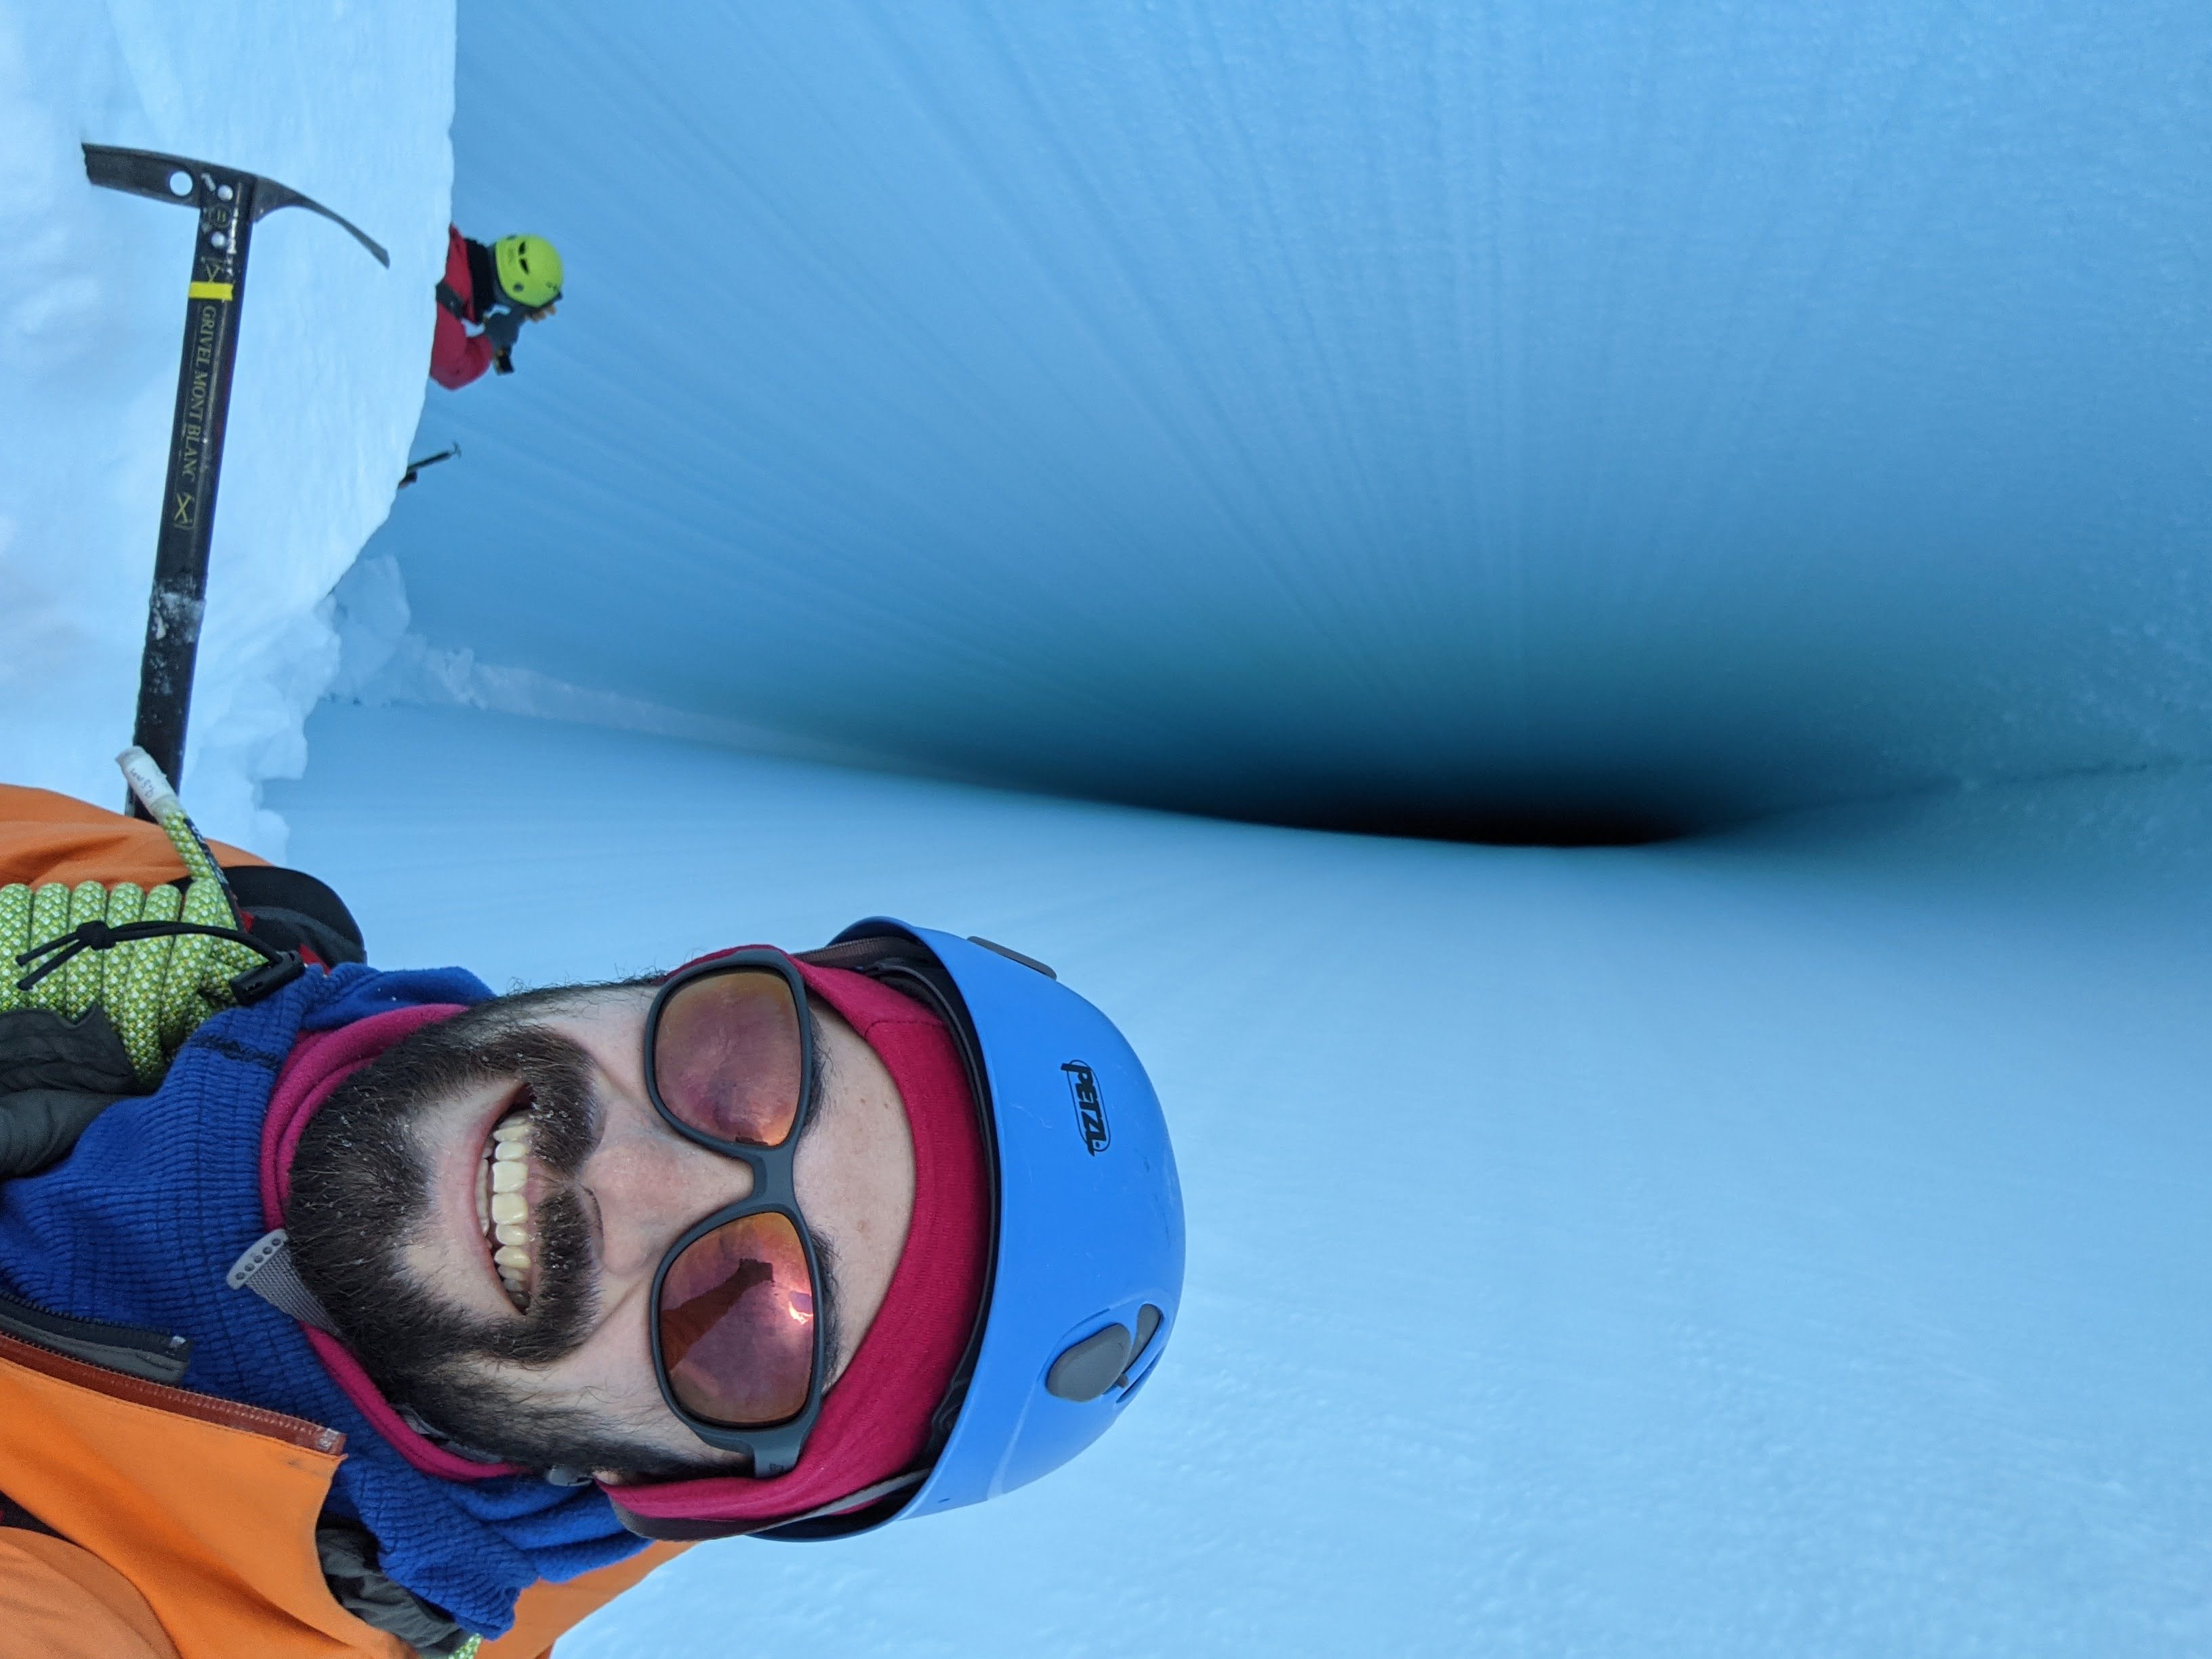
508	1211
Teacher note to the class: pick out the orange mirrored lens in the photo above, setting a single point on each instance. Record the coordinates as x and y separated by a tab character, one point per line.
727	1056
737	1323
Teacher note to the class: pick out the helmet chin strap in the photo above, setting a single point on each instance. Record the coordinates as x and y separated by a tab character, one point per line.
268	1271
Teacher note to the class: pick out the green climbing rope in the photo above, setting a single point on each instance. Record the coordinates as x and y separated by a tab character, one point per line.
156	991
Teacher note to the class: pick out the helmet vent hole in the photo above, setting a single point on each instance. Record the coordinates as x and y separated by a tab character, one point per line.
1148	1327
1012	955
1089	1367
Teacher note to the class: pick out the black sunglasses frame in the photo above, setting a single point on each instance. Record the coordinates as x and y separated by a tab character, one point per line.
776	1447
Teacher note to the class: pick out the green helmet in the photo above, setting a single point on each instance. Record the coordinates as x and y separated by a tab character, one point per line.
529	271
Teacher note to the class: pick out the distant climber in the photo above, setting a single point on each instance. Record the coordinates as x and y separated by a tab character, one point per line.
498	288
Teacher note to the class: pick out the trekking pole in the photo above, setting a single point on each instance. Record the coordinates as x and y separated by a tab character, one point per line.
229	202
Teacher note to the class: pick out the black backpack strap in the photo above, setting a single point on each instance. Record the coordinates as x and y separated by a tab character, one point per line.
292	911
13	1514
352	1569
449	297
483	274
56	1076
38	1127
41	1049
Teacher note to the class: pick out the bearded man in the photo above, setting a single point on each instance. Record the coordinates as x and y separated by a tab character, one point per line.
349	1311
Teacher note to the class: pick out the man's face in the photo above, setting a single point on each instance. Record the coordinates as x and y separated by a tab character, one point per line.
393	1223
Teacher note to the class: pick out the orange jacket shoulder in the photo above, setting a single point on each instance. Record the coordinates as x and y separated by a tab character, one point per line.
57	1602
206	1509
548	1611
203	1514
47	837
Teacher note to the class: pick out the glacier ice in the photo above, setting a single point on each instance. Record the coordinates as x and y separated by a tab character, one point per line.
1789	1239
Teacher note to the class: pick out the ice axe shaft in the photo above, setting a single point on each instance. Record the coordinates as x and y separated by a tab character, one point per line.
229	202
415	468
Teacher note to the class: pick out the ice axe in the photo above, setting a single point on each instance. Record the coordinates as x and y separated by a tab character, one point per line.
415	468
229	203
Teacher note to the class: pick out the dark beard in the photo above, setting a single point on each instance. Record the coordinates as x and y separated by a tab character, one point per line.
361	1191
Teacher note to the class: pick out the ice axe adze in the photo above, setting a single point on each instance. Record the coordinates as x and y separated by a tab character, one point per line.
229	202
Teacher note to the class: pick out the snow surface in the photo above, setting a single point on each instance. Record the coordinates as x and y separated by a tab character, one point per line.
347	103
1788	1244
1343	409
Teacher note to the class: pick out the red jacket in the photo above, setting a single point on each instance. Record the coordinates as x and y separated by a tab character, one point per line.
458	356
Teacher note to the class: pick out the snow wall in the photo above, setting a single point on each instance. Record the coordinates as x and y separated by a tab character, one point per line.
1420	415
346	103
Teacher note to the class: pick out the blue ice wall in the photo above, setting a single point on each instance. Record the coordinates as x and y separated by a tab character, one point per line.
1356	411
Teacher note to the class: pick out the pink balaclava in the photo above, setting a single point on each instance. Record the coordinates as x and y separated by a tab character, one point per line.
875	1419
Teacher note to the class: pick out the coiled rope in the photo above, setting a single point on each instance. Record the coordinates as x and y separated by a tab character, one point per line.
157	983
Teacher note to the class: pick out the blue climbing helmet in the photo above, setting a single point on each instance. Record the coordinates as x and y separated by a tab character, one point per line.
1086	1228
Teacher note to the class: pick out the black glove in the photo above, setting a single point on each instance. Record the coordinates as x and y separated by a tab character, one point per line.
501	329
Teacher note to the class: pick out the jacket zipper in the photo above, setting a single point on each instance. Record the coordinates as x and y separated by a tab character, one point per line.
204	1408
